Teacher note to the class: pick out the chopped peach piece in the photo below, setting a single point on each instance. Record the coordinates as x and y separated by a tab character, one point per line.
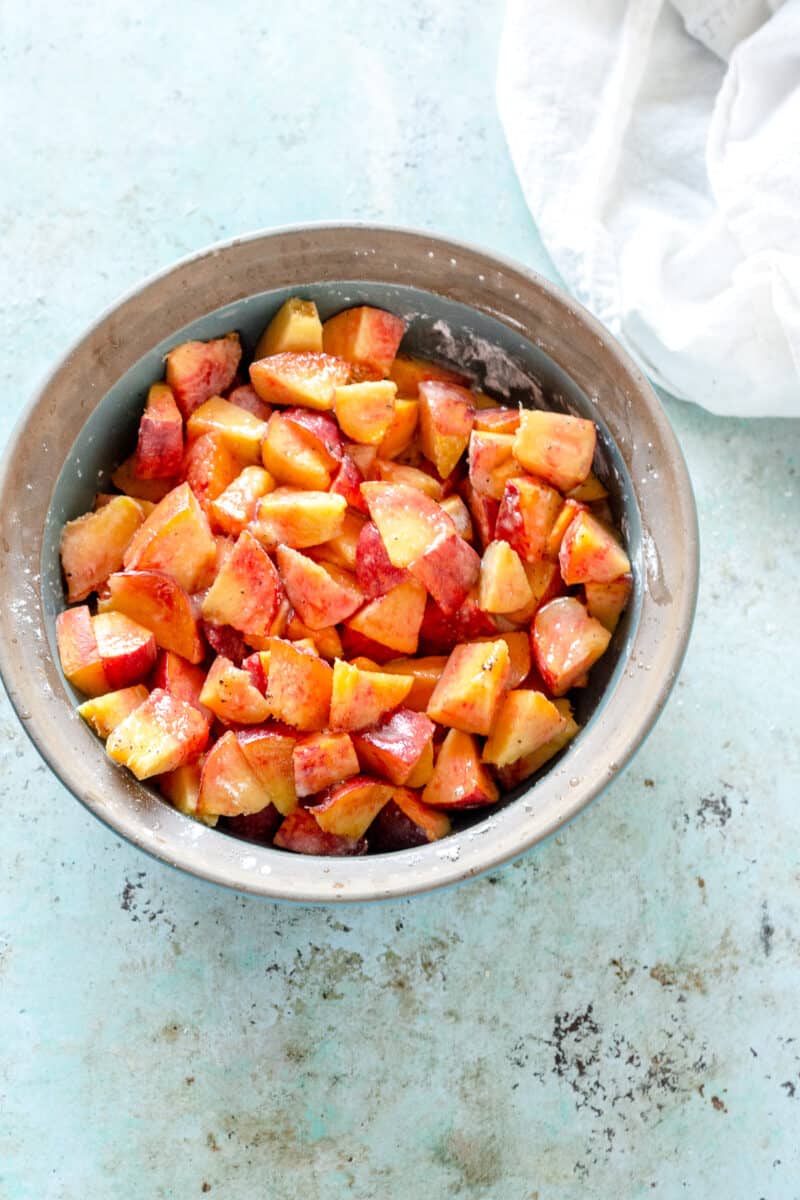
78	652
566	642
408	373
162	734
229	785
296	326
569	511
484	512
423	769
287	517
235	508
209	467
374	570
406	822
590	491
230	694
608	601
175	538
160	604
342	550
460	780
426	673
448	569
127	649
458	513
247	590
301	834
322	759
364	336
326	641
590	553
182	788
159	450
393	747
504	585
304	378
525	721
238	429
298	686
360	698
446	415
393	619
394	472
556	447
401	430
545	582
497	420
528	511
104	713
291	458
523	768
471	687
152	490
491	462
269	750
181	679
245	396
94	545
365	410
349	809
198	370
348	479
407	519
322	594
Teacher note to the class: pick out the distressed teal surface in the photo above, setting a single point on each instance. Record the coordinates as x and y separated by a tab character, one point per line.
615	1015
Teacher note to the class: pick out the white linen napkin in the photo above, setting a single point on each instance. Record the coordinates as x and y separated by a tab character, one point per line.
658	146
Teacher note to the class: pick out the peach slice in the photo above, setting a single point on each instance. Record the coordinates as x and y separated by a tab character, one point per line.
590	491
590	553
519	655
566	642
407	520
104	713
298	686
181	679
393	619
394	472
545	583
401	430
209	467
198	370
305	378
448	569
446	415
525	721
321	432
235	508
423	769
162	734
504	585
497	420
349	809
229	785
94	545
426	673
491	462
342	550
247	397
409	372
394	746
301	834
405	822
152	490
608	601
159	450
175	538
347	482
484	512
127	649
247	591
527	514
291	457
78	652
230	694
287	517
360	698
569	511
269	750
364	336
471	687
296	326
182	787
365	410
523	768
460	780
160	604
322	759
326	641
458	513
556	447
322	594
238	429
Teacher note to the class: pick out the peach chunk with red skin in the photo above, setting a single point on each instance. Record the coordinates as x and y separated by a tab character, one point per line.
247	590
446	416
298	686
374	571
349	809
198	370
127	649
293	456
159	449
405	822
522	768
504	585
94	545
525	721
589	553
181	679
322	759
360	698
407	520
393	747
608	601
78	651
301	834
460	779
409	372
209	467
491	462
365	411
299	378
322	594
162	734
566	642
288	517
228	785
471	686
245	396
269	750
175	538
347	483
236	428
104	713
126	480
394	619
234	509
555	447
527	514
158	602
365	336
448	569
230	694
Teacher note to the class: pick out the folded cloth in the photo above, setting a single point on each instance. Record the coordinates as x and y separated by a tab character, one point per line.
658	146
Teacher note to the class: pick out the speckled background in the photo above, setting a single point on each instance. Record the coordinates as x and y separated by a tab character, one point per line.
616	1014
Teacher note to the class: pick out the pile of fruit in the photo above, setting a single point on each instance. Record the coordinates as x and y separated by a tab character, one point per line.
336	604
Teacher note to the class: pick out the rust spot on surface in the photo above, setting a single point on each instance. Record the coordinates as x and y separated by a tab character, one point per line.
649	783
206	1186
684	978
212	1143
718	1104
